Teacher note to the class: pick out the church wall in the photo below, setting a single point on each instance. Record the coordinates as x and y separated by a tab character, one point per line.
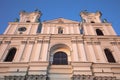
83	53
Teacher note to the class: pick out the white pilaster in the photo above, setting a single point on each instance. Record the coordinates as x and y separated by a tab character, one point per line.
19	53
82	52
44	52
99	54
71	29
27	52
36	51
6	31
75	52
91	52
116	53
34	28
2	51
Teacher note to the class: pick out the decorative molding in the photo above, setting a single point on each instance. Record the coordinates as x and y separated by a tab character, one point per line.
24	42
39	41
7	42
46	41
97	43
113	43
89	43
31	42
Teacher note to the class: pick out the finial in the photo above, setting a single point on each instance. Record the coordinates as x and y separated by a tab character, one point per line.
16	20
37	10
23	11
105	21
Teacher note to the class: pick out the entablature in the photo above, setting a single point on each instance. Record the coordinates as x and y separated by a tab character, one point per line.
113	39
24	23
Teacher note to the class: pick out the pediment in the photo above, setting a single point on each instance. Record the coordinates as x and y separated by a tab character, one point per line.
61	21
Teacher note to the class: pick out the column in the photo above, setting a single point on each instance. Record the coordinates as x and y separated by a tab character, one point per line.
74	51
71	30
20	51
34	28
67	30
85	30
36	51
91	53
42	30
27	52
99	53
6	31
116	53
48	29
53	30
44	51
3	50
82	53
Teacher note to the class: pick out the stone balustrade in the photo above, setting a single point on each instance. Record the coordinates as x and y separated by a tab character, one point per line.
44	77
28	77
90	77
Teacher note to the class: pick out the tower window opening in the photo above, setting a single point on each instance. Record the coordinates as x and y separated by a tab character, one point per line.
60	58
10	55
60	30
99	32
81	31
92	22
28	21
109	56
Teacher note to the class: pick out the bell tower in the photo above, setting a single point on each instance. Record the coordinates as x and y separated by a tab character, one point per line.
28	24
93	25
91	17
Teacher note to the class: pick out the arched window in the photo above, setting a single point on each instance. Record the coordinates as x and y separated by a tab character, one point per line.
99	32
109	56
10	55
60	30
60	58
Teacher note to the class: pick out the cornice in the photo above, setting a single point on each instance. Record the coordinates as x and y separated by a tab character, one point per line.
50	36
24	23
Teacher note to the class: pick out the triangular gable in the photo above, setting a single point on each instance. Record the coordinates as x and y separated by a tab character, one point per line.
61	20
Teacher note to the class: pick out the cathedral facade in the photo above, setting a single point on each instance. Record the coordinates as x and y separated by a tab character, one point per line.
59	49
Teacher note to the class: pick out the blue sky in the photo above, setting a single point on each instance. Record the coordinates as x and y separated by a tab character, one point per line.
52	9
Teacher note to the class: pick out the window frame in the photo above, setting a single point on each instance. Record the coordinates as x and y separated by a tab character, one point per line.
10	55
60	58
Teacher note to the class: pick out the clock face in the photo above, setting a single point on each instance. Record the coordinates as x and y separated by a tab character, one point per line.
22	29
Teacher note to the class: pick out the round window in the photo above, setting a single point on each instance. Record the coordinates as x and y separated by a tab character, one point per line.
22	29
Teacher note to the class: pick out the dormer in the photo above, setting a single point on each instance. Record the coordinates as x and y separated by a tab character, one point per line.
91	17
